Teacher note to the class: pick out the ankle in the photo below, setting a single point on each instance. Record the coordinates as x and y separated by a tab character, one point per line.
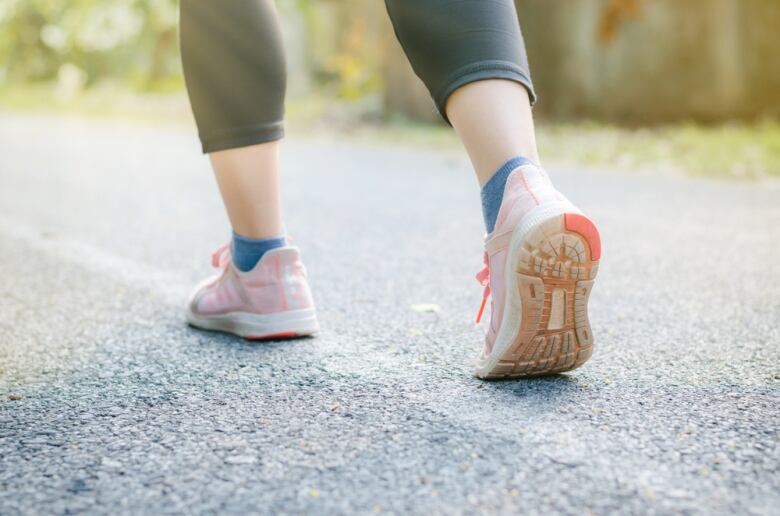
247	252
492	193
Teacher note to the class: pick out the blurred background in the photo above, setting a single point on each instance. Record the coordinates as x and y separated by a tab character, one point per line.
630	84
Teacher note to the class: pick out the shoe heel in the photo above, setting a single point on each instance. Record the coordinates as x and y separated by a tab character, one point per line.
556	265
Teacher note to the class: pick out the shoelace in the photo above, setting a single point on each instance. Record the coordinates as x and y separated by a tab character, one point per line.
221	256
483	277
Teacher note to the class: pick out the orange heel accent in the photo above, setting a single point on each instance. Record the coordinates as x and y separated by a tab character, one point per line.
583	225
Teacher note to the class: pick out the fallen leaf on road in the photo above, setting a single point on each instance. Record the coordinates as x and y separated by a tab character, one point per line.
426	307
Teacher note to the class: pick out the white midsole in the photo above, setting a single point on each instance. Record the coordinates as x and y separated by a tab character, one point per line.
246	324
512	315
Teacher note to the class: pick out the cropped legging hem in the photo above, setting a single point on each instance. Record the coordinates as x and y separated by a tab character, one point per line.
242	136
481	71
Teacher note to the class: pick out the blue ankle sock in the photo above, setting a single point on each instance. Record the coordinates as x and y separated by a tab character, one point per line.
248	251
493	192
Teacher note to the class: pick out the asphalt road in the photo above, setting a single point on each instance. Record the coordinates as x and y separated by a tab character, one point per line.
109	403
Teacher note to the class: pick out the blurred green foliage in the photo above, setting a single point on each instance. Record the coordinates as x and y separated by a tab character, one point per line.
344	48
78	43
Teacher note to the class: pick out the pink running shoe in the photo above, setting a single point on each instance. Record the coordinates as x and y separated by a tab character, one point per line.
272	300
540	263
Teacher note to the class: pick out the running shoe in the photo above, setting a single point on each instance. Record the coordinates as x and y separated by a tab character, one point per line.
540	264
271	301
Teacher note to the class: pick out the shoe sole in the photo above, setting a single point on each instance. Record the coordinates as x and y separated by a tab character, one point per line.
289	324
546	313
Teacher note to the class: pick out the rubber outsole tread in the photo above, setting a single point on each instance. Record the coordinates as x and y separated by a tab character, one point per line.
554	273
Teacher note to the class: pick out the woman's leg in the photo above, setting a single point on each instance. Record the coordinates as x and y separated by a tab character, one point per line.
235	72
248	179
493	131
459	49
541	253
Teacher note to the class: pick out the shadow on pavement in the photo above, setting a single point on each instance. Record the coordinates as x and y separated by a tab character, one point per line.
547	386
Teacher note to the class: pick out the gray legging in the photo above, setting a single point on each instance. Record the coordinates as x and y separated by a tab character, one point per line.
235	69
